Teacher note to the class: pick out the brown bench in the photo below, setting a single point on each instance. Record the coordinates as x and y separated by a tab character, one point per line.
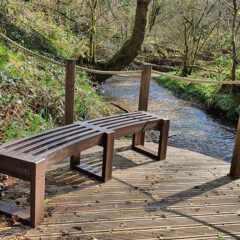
27	158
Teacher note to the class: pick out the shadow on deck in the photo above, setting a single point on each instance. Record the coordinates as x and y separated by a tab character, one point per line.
186	196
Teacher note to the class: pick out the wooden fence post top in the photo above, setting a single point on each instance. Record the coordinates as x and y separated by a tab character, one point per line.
145	87
69	90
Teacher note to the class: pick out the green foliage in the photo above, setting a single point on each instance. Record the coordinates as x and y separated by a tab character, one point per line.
210	95
32	95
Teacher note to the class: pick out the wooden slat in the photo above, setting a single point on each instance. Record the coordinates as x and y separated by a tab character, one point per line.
20	147
53	145
23	140
119	116
129	121
53	140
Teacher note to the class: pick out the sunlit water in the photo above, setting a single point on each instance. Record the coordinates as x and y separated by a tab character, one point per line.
191	128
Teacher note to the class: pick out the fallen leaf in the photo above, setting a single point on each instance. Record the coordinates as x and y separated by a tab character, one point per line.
111	230
220	235
210	228
93	238
123	224
49	211
65	232
169	228
14	220
79	228
47	200
161	237
238	212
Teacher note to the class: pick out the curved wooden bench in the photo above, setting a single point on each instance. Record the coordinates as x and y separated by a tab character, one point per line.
135	123
27	158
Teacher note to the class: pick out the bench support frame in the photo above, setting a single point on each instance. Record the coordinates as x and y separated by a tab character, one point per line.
106	173
138	142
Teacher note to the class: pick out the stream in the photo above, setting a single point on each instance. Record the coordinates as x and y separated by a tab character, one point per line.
190	127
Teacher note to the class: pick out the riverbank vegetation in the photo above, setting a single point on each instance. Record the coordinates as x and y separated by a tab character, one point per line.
197	38
210	97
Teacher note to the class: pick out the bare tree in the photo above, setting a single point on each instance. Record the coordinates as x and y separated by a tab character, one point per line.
197	28
235	10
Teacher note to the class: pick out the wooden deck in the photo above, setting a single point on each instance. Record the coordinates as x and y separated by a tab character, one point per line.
186	196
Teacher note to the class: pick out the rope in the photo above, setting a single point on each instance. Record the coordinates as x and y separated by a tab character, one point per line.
194	80
25	50
133	74
84	69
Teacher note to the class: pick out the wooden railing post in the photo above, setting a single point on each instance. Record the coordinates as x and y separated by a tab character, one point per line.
138	138
235	165
69	90
144	88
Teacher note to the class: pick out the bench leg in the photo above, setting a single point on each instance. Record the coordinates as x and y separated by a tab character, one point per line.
138	142
108	150
106	173
75	160
163	140
37	194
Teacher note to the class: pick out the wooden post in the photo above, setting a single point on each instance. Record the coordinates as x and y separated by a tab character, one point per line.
69	90
138	138
144	88
235	165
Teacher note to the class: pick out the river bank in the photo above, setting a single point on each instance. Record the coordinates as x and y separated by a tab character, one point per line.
208	97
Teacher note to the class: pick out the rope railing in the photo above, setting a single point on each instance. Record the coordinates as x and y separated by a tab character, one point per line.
132	73
193	79
84	69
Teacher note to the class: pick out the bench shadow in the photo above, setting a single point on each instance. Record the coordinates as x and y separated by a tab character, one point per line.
61	180
165	203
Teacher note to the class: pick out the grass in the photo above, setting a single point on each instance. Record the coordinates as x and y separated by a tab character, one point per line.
213	97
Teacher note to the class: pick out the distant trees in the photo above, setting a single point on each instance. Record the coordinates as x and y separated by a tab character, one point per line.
198	22
109	34
234	32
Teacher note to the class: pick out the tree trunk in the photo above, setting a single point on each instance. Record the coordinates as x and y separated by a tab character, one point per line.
155	11
234	47
92	40
131	47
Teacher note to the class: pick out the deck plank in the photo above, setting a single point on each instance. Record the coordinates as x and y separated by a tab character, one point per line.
186	196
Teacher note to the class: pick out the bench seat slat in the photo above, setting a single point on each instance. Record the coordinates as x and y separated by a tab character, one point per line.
24	146
123	118
32	147
45	148
82	143
126	119
35	136
120	123
125	115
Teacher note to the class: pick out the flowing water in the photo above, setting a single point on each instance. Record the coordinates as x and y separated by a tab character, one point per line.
190	127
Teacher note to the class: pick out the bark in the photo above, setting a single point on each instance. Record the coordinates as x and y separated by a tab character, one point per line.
92	42
155	11
234	45
132	46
